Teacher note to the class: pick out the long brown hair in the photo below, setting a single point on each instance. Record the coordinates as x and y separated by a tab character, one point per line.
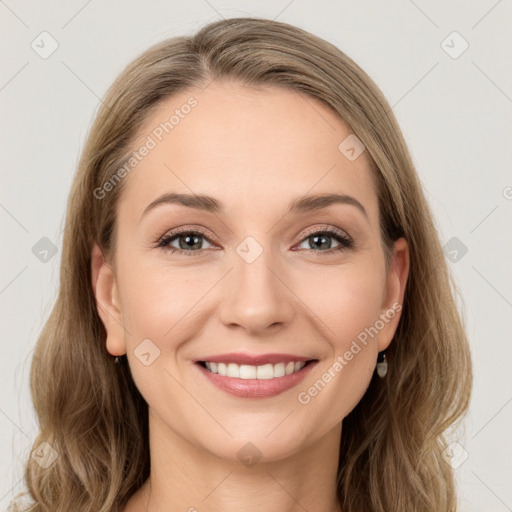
89	408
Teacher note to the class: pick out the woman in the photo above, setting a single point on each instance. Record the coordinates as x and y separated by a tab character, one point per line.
254	310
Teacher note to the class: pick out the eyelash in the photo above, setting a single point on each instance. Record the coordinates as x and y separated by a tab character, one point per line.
345	241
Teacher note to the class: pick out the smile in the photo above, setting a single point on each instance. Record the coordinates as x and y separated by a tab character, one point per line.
255	380
263	372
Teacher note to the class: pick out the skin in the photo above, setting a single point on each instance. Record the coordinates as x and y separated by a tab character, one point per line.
255	150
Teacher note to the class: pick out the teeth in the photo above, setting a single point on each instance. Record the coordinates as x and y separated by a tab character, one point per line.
248	372
265	372
245	371
279	370
233	370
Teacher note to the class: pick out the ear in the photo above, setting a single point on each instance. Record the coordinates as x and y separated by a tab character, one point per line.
394	293
107	302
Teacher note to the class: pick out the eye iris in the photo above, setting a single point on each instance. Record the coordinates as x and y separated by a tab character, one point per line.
191	242
320	239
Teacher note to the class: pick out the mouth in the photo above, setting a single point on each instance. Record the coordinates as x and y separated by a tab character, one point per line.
267	376
260	372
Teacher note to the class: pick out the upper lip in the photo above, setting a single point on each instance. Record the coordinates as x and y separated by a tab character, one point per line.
254	360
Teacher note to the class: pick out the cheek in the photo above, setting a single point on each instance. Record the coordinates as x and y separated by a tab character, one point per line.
159	304
156	296
348	301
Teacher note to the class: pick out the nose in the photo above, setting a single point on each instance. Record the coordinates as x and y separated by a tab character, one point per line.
256	297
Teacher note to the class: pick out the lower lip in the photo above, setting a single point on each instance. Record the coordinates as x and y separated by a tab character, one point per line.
256	388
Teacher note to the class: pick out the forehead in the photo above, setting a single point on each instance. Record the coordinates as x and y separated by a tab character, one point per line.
247	146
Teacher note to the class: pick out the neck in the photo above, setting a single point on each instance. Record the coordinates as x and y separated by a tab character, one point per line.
186	478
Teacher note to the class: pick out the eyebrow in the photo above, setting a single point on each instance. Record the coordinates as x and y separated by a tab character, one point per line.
301	205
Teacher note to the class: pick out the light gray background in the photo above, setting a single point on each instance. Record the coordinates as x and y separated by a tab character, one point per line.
455	113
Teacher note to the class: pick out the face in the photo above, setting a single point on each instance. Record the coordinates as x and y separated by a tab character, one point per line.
245	275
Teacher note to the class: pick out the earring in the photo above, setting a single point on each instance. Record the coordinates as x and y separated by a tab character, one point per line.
116	360
382	365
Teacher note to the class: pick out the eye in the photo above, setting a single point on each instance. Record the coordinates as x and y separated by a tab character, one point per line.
189	242
321	239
